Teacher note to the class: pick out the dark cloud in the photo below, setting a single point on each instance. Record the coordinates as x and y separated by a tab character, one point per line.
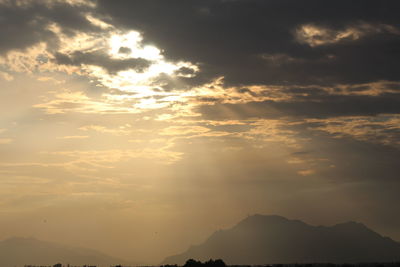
124	50
103	60
25	25
324	106
254	41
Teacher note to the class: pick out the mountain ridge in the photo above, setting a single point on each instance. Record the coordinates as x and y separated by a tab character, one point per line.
20	251
268	239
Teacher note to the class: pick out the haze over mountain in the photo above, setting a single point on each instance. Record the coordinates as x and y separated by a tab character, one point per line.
19	251
262	239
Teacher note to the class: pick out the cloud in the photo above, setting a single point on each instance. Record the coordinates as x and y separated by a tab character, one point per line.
306	172
6	76
285	78
27	23
4	141
69	101
48	3
97	159
315	35
74	137
184	130
317	106
122	130
383	129
79	58
253	29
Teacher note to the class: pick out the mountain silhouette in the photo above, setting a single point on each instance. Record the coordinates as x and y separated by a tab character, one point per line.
263	239
18	251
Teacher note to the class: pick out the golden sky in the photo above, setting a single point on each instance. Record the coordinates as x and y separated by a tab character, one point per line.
139	128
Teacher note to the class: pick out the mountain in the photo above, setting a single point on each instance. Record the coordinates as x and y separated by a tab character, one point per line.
19	251
262	239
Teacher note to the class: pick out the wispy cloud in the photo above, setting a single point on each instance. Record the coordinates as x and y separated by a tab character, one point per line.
4	141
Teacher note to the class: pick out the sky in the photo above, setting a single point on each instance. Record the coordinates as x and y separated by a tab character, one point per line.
139	128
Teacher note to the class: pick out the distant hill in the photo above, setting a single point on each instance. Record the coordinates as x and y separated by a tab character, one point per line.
18	251
262	239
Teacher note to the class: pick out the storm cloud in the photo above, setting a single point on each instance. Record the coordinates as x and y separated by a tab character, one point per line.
101	59
259	42
26	23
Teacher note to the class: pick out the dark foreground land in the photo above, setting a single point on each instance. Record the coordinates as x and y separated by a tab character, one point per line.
220	263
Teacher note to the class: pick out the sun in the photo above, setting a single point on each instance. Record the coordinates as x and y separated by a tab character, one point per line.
130	45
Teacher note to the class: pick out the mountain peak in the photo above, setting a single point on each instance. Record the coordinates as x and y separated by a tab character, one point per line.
258	220
264	218
267	217
352	226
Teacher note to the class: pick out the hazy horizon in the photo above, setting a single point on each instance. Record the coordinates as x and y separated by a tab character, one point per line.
138	128
259	222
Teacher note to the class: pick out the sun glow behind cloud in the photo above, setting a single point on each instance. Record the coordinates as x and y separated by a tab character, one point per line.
129	46
142	84
137	84
140	87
